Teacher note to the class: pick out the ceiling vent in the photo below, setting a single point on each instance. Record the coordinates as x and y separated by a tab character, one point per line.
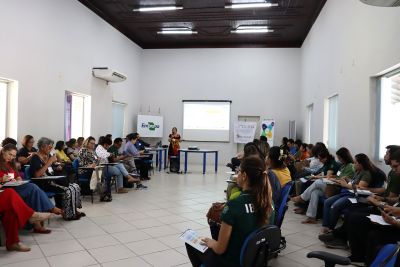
383	3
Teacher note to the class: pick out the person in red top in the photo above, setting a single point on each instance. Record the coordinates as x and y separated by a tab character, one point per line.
15	214
33	196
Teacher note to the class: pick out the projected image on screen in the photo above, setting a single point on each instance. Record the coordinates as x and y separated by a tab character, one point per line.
206	121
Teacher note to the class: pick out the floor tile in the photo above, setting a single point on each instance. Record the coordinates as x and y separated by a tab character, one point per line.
147	246
14	257
131	262
117	227
112	253
131	236
76	259
146	223
160	231
98	241
165	258
32	263
62	247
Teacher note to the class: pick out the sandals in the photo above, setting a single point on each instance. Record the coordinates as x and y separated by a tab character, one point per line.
39	217
19	247
42	231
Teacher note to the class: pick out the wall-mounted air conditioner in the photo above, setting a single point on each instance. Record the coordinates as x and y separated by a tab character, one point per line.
108	74
385	3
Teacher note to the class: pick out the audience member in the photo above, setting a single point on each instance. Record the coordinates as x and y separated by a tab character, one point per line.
264	146
70	150
275	161
237	221
15	214
128	161
141	159
26	152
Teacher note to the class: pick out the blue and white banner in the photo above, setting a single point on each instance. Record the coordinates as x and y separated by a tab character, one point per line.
150	126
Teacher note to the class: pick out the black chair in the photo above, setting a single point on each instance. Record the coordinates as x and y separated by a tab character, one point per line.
259	245
83	179
386	257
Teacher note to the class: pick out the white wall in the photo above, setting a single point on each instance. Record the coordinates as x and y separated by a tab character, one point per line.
349	43
260	82
51	46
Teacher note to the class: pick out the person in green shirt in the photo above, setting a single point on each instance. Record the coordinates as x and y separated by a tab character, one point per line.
330	171
129	162
240	217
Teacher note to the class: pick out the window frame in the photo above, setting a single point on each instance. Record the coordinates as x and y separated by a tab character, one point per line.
86	115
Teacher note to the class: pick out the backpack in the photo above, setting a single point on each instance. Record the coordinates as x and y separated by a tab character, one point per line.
174	164
71	202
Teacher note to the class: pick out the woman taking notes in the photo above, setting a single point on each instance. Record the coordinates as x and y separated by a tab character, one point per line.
241	216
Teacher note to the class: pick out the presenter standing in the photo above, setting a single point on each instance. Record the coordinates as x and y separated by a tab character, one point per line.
174	139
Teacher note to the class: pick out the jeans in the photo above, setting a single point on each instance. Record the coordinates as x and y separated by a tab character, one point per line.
122	169
333	207
312	194
114	171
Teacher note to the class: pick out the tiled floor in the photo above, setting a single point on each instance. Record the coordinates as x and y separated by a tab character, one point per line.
141	228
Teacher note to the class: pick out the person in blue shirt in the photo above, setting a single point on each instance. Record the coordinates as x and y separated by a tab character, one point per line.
142	161
291	146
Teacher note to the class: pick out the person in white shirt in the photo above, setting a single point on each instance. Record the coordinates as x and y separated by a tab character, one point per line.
119	169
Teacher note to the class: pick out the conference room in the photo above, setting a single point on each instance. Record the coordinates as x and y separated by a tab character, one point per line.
183	132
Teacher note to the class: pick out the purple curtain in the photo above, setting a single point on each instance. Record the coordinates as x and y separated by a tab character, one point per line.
68	113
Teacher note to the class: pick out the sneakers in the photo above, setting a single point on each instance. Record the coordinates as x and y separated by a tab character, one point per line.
326	237
141	187
336	243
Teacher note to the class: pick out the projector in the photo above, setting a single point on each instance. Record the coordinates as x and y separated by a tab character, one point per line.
193	148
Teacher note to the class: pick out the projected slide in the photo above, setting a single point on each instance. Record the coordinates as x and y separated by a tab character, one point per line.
206	121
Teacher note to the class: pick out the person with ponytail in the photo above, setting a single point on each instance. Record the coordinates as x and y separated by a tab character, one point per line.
251	210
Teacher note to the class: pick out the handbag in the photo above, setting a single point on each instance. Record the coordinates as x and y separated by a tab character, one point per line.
331	190
214	213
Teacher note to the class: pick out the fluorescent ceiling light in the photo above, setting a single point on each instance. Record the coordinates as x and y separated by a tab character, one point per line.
157	8
252	5
252	29
176	31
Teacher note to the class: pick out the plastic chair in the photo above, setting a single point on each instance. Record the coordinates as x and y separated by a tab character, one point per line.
386	257
27	175
282	208
83	179
258	246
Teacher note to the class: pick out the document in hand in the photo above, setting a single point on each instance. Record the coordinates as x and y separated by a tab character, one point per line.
192	238
377	219
15	183
327	181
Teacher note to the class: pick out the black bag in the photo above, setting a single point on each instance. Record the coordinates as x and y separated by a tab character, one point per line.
174	164
71	202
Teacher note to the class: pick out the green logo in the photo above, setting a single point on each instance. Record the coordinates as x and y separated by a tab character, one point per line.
152	126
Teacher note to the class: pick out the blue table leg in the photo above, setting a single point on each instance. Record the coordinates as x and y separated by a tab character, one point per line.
159	155
216	161
186	157
204	162
165	158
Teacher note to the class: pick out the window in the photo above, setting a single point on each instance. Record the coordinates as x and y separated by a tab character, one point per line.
118	119
308	123
77	115
331	121
388	111
8	108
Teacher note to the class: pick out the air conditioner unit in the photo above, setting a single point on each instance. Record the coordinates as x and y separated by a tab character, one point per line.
385	3
108	75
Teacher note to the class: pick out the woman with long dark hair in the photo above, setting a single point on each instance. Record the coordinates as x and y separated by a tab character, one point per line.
33	196
241	216
276	162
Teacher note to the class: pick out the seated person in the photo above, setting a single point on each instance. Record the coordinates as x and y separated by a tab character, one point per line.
366	177
317	189
26	152
60	154
33	196
304	152
43	164
79	143
238	220
275	161
264	146
128	161
8	140
88	159
15	214
338	237
141	160
291	147
118	169
70	149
